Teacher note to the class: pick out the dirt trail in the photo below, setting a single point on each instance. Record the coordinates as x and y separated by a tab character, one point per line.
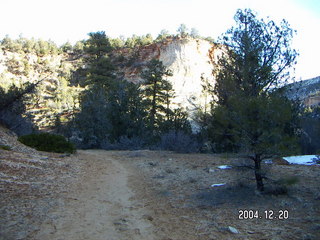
100	205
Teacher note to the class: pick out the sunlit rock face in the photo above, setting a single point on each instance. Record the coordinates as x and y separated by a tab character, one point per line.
189	59
306	91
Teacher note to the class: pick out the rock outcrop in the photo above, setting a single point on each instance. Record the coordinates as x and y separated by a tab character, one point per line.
189	59
307	91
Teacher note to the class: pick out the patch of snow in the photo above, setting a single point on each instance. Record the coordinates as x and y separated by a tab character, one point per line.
233	230
304	159
217	184
268	161
224	167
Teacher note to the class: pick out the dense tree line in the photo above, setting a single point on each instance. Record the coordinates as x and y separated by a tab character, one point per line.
114	112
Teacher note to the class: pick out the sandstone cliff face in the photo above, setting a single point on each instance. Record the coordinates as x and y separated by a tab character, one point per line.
189	59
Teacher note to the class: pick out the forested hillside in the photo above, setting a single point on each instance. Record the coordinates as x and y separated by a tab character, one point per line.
131	93
84	91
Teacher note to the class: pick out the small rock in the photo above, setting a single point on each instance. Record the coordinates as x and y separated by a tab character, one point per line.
233	230
148	217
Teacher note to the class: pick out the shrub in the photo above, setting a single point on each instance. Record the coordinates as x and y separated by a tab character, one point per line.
48	142
124	143
281	186
5	147
179	142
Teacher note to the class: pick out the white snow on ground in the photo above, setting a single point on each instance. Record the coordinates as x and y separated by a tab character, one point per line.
224	167
217	184
304	159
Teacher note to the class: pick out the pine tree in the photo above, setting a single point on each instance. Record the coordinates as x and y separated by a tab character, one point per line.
126	112
100	69
249	115
155	89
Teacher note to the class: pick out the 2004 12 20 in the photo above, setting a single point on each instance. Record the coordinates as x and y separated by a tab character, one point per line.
247	214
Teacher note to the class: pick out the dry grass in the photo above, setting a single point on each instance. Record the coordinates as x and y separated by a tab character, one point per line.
179	190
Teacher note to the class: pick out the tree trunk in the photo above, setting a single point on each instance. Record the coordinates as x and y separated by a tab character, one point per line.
257	171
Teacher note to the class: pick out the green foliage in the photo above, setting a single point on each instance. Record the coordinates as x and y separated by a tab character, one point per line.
247	115
126	111
5	147
48	142
137	41
156	92
92	121
256	56
163	35
158	95
98	45
111	115
78	48
310	136
260	125
66	47
111	109
117	43
100	69
182	30
101	72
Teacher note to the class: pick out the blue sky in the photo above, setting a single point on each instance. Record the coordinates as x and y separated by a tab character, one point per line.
71	20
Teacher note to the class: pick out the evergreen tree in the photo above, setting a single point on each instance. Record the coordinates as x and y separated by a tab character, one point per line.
100	69
125	111
92	121
155	89
111	108
158	93
183	30
98	45
163	35
248	115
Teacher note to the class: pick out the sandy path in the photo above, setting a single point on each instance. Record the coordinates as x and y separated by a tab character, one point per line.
100	205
